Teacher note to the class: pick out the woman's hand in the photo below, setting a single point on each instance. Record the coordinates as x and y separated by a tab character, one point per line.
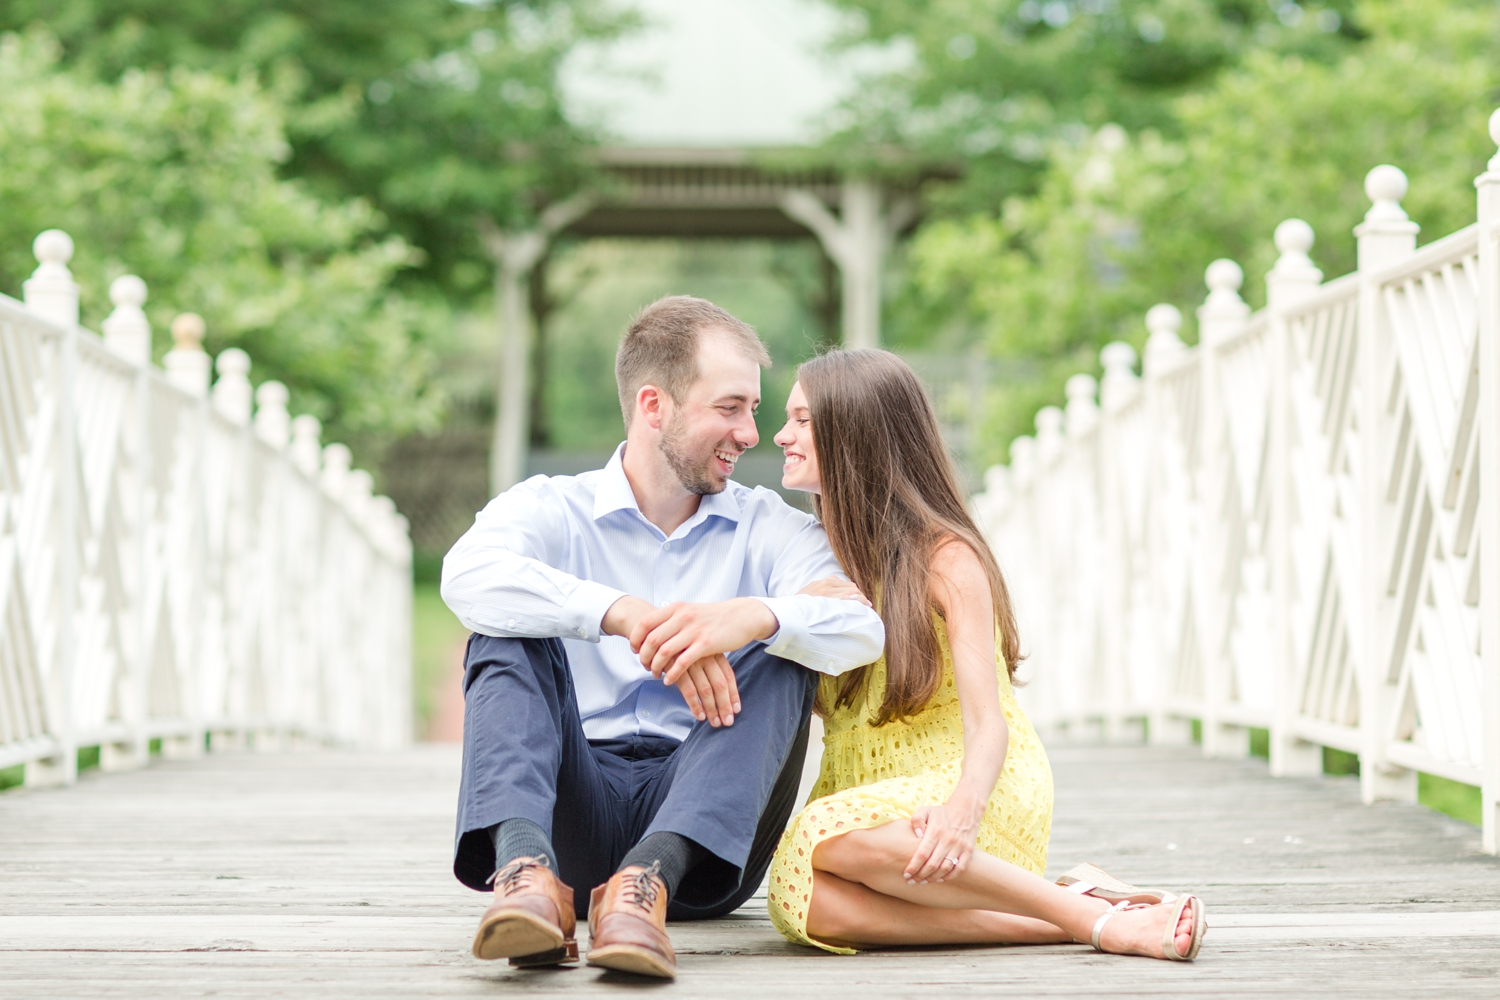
945	840
832	586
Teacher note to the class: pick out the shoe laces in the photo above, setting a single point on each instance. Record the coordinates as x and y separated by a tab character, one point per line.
517	874
641	888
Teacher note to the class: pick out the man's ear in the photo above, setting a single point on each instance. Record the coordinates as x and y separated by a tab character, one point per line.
650	406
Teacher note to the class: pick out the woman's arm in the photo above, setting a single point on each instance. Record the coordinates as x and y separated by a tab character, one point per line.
961	589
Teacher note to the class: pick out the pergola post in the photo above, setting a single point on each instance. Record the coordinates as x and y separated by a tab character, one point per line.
857	240
515	253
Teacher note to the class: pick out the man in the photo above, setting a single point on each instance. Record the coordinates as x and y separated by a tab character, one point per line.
636	691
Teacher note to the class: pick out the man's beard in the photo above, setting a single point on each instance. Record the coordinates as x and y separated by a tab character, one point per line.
694	477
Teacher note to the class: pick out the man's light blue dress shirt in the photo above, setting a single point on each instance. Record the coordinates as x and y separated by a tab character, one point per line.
549	556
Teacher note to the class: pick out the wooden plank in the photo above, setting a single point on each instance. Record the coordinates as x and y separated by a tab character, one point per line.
327	874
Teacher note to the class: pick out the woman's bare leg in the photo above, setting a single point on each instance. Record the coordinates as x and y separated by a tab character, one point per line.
877	859
848	913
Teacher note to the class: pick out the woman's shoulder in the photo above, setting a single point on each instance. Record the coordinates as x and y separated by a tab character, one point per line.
955	569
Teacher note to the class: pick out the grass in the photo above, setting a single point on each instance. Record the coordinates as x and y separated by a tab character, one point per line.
10	777
1453	798
434	633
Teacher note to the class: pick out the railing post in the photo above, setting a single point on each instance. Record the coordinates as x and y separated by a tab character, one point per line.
188	367
1164	349
1221	316
52	294
1385	238
127	332
1488	184
1292	279
1118	387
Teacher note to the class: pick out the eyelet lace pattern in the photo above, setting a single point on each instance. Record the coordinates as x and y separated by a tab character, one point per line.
872	776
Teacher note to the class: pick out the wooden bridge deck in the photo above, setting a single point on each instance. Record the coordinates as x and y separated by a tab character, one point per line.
325	875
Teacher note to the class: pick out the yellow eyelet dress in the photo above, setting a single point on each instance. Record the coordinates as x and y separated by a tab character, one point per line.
876	775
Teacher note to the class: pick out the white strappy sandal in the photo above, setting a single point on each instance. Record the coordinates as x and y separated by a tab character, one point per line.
1169	936
1089	879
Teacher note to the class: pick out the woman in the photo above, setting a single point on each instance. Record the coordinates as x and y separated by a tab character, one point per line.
930	819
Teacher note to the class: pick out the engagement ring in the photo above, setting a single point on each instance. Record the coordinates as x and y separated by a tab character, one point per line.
952	861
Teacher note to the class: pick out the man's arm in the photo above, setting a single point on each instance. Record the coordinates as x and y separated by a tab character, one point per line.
829	635
501	578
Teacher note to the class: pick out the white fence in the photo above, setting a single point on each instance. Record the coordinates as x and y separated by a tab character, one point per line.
171	569
1281	527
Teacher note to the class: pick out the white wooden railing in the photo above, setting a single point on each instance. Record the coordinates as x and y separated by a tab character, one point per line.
1281	527
170	568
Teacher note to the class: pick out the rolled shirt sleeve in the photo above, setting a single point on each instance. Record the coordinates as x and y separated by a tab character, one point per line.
498	578
826	634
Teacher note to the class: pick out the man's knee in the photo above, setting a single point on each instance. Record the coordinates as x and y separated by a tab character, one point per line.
493	655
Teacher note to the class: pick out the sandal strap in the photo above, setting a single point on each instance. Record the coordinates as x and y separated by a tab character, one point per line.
1169	936
1104	919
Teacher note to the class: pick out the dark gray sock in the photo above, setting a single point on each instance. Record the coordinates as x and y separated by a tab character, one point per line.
520	838
677	855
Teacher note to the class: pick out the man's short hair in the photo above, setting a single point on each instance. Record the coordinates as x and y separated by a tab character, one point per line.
661	347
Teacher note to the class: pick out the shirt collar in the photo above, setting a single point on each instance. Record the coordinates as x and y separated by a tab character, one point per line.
614	493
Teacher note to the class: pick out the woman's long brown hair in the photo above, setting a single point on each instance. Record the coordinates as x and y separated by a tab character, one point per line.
890	497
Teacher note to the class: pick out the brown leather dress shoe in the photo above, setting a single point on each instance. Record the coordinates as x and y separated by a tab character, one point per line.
627	924
531	921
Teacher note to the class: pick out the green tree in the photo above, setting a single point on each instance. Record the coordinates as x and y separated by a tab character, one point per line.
436	112
994	84
1121	221
174	176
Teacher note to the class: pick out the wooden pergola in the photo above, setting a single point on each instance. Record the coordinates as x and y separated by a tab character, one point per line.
710	192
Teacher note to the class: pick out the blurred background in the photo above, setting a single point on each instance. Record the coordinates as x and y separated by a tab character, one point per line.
432	219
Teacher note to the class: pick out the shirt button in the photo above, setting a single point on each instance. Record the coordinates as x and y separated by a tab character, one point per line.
646	715
511	623
666	545
582	633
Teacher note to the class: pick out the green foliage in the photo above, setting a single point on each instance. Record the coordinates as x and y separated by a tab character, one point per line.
1121	221
1340	761
995	82
1454	798
88	759
174	176
1260	742
10	777
433	111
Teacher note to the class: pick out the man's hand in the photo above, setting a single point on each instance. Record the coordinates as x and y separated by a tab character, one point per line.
673	638
710	691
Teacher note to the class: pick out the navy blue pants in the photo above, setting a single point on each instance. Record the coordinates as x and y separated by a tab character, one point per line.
730	789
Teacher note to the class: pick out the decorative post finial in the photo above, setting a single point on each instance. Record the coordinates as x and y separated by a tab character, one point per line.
186	363
127	332
359	488
1083	412
272	421
1163	321
336	461
1049	433
1295	274
1223	311
1387	236
1118	360
51	292
307	451
232	392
